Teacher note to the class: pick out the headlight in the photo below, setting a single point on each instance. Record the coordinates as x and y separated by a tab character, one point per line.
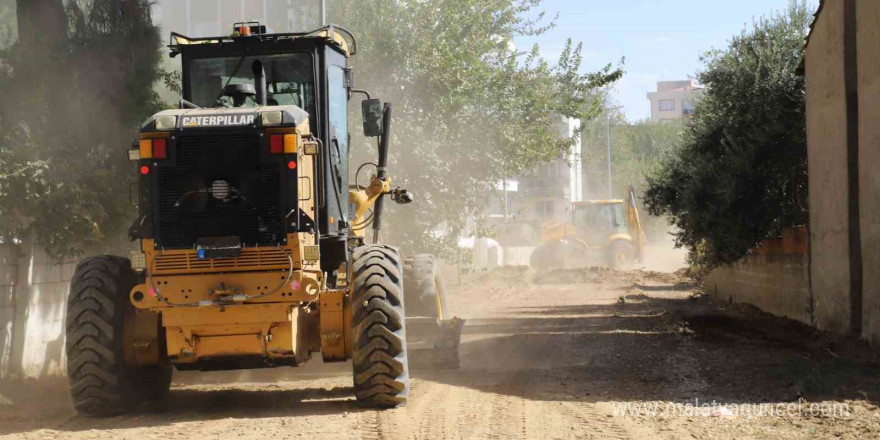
271	118
138	261
166	122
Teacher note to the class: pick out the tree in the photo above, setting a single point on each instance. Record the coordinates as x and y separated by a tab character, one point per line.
637	150
467	111
740	173
73	103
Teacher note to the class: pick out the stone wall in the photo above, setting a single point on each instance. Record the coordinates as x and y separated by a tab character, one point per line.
774	278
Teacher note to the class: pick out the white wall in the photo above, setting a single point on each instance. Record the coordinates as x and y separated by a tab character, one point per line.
33	303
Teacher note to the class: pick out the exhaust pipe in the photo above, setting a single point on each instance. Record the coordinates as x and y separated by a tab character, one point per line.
382	170
259	82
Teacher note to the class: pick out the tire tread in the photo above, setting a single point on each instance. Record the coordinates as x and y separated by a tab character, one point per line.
381	374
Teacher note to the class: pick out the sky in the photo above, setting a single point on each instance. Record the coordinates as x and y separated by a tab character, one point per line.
660	39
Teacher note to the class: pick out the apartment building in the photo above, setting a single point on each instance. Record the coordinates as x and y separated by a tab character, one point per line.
674	100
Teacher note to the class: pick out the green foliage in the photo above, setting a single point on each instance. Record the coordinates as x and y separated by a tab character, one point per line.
73	104
467	110
740	174
637	151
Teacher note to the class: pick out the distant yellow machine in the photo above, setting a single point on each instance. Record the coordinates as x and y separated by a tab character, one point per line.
606	230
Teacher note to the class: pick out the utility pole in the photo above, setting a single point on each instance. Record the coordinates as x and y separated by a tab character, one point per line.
608	157
323	12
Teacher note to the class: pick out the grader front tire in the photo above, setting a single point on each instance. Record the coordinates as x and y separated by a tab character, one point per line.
381	371
101	385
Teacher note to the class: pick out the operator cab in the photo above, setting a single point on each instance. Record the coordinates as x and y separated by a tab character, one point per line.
604	216
240	92
599	219
290	80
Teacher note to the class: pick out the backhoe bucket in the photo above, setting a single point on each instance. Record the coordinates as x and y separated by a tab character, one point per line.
434	343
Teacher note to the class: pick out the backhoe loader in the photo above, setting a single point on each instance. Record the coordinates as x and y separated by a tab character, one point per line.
605	232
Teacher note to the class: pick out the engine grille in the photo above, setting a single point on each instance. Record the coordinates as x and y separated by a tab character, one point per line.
186	210
250	259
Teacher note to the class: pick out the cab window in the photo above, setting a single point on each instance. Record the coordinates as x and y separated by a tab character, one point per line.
338	120
289	78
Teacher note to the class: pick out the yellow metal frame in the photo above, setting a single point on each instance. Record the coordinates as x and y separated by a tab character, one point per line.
287	313
338	39
363	200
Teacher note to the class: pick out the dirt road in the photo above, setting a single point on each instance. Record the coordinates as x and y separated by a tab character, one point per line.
551	356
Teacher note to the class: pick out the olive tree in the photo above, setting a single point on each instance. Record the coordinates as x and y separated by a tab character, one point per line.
740	173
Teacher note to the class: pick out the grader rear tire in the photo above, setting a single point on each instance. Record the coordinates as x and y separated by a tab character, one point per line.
100	383
425	295
381	371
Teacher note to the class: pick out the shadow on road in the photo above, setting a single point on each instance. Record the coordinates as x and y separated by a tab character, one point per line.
659	345
663	346
203	404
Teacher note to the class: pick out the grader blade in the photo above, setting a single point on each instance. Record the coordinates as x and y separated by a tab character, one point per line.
434	343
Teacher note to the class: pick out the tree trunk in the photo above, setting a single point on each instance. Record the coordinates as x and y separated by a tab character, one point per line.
41	25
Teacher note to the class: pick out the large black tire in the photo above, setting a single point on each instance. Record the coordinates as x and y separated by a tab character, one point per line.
548	256
381	371
100	383
425	291
560	254
620	254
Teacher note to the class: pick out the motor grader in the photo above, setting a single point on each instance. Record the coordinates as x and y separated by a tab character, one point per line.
253	250
607	232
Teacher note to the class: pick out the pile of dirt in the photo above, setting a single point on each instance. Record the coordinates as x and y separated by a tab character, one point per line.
677	280
504	275
585	275
663	278
519	275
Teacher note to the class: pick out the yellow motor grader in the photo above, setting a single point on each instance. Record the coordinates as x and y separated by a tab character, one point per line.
252	242
600	231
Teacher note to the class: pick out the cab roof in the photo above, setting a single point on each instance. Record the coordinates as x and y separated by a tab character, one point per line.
333	34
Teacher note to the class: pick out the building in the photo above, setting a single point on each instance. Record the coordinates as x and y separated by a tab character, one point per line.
208	18
519	206
842	70
546	192
674	100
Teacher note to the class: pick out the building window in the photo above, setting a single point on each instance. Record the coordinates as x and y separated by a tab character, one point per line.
667	105
687	108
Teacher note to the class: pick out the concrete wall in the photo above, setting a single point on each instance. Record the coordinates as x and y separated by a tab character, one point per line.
774	278
868	25
33	302
827	155
8	279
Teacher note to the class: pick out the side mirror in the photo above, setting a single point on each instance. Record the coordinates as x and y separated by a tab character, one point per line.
401	196
372	114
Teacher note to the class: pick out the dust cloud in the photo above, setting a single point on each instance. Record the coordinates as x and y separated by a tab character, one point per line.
661	255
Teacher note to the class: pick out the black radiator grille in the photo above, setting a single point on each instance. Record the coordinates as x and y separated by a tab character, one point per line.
186	209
